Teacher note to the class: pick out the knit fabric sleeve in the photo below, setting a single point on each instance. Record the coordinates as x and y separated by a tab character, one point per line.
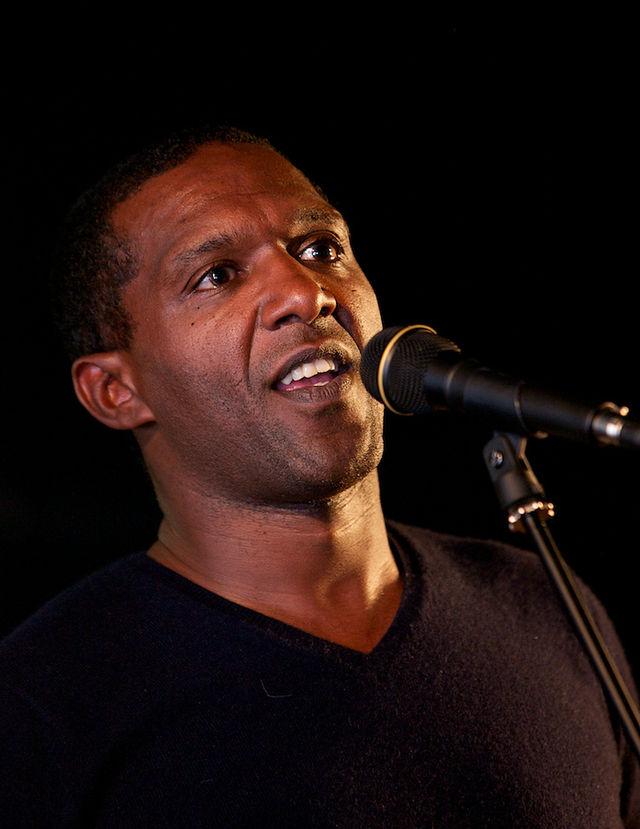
31	783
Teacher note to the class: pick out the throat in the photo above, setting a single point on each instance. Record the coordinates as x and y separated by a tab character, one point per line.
330	572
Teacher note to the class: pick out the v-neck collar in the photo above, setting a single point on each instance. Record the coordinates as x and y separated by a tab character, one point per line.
290	636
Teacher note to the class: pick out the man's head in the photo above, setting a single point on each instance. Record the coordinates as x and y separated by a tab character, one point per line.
224	274
93	263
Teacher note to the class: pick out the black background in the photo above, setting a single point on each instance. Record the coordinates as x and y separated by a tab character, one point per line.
487	170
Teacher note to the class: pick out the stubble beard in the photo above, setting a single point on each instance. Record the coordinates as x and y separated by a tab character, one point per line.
258	460
305	477
273	468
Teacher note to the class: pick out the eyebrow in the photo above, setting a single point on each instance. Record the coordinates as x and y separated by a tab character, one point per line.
214	243
309	215
302	216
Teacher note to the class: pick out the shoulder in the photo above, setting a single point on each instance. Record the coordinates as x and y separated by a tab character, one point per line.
129	626
109	580
473	560
499	577
120	641
64	660
98	605
113	621
505	580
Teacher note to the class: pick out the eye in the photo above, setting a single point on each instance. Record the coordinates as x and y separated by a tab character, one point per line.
215	277
321	250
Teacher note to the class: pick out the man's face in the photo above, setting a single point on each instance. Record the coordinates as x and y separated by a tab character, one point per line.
246	280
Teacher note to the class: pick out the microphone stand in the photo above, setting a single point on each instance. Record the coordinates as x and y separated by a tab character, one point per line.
527	507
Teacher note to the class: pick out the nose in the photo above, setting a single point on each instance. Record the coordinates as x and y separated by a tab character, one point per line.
292	293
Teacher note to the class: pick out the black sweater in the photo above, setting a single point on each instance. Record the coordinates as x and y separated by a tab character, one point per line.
139	699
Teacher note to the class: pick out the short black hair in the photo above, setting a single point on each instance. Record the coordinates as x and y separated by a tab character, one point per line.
92	263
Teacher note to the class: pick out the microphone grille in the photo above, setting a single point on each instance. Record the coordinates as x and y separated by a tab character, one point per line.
407	351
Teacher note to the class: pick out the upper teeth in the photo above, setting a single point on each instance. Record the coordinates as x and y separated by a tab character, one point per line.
308	370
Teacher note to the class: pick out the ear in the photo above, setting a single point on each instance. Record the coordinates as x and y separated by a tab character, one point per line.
105	385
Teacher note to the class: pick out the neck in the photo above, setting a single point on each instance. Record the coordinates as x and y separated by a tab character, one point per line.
317	566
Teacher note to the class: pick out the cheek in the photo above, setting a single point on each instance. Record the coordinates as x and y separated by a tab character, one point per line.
181	378
365	311
373	315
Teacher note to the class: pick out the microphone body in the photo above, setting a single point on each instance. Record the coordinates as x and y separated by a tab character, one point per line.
412	370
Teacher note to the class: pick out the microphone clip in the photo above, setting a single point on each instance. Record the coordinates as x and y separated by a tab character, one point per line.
519	491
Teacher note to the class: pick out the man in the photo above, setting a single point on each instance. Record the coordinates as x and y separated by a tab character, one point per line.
281	655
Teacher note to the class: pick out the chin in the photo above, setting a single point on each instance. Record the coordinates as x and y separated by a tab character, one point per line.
319	483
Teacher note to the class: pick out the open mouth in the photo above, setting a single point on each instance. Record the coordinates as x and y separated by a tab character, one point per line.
305	374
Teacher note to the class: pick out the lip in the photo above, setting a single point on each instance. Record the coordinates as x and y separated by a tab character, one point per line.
307	355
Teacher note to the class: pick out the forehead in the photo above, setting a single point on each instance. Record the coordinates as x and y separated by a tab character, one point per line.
218	180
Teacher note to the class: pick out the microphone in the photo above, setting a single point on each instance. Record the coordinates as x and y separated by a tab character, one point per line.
413	370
